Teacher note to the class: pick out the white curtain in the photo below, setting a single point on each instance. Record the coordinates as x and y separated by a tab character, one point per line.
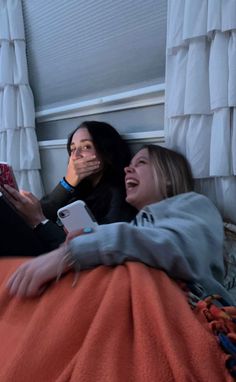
201	94
18	142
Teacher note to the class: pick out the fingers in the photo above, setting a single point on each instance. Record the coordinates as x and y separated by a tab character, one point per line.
7	192
83	162
81	231
32	287
80	168
15	198
26	284
12	191
26	204
14	195
73	234
90	159
29	196
87	161
86	167
31	278
12	278
17	284
25	281
21	196
21	284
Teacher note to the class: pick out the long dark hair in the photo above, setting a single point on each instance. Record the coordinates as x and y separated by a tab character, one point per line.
111	147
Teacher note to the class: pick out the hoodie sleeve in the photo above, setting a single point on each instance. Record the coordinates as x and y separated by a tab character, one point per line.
56	199
182	235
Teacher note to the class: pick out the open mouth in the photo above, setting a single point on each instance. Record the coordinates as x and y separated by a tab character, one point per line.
131	184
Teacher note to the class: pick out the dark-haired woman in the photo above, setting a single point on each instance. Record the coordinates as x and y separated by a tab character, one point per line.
97	157
95	174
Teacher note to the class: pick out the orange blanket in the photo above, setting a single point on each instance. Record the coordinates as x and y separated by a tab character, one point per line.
128	323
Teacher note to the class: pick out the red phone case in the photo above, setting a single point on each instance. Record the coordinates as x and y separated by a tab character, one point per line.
7	175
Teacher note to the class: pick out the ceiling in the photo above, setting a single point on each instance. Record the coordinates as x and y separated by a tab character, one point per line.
81	49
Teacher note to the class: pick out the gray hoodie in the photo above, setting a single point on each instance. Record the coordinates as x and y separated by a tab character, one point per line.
182	235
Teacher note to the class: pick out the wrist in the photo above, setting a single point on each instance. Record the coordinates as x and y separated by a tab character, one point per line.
66	257
40	223
67	185
72	179
66	263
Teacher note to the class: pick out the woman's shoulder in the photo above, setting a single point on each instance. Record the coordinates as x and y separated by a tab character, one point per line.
190	204
194	201
188	198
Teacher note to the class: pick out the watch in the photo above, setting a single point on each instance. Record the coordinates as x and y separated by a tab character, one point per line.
41	224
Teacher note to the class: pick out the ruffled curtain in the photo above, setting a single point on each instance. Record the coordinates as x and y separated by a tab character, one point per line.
18	142
201	94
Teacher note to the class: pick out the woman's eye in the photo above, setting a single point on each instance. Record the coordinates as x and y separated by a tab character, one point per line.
86	147
141	161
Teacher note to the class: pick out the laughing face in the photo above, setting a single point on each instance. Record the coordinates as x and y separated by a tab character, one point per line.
141	187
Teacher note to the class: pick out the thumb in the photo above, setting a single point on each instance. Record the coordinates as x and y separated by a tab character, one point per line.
73	234
82	231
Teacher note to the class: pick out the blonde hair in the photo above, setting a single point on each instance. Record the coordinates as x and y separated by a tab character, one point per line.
171	170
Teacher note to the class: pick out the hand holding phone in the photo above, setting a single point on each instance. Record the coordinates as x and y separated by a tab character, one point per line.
25	203
7	175
75	216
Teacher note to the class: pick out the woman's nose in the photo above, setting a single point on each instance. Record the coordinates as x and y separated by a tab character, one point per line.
128	169
77	153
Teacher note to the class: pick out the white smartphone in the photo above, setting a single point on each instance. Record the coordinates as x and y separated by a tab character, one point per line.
76	215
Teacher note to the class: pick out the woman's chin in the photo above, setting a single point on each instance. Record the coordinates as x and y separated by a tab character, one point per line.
131	200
